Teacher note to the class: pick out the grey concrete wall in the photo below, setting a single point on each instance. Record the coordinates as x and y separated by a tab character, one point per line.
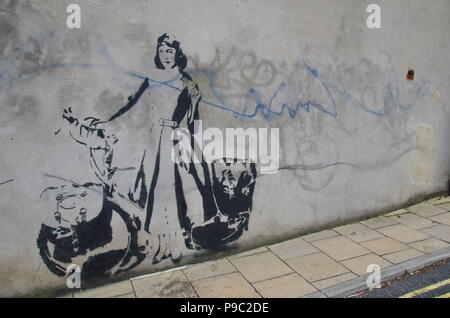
356	137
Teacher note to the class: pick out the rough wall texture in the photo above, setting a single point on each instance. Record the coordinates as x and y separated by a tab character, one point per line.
86	175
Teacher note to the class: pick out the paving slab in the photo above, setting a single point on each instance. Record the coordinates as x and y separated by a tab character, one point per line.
358	232
108	291
429	245
261	266
413	221
358	265
397	212
340	248
385	245
288	286
420	206
165	285
325	283
250	252
445	206
317	266
429	211
402	256
232	285
292	248
319	235
378	222
442	218
403	233
209	269
439	231
439	200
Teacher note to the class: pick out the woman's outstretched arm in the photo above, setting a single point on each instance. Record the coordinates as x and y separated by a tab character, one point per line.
132	100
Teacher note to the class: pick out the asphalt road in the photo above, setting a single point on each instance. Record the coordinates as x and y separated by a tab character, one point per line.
430	282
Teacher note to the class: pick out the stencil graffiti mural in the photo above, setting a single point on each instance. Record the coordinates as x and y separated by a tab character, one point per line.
148	207
140	187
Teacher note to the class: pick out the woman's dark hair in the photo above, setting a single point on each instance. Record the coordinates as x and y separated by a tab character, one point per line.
180	58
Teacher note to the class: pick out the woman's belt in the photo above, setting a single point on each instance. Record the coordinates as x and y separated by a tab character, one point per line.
168	123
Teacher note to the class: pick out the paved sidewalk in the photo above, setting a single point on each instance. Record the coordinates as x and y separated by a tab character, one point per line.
307	266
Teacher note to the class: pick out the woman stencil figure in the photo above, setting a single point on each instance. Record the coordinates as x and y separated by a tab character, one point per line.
158	189
137	167
170	108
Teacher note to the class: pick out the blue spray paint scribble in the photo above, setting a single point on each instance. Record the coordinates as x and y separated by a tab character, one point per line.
253	102
331	89
7	181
